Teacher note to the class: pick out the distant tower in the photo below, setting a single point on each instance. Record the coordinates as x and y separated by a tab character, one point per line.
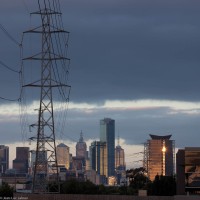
63	156
119	158
21	162
159	156
107	134
81	148
4	158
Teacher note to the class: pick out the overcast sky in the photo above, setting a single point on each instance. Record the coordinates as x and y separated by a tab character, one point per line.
135	61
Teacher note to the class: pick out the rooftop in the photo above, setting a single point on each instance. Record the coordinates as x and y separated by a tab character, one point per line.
158	137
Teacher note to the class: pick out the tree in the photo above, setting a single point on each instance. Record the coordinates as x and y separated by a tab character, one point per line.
164	186
78	187
6	190
138	179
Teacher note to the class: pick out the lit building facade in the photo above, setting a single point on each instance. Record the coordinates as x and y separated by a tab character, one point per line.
107	135
4	158
159	156
188	170
63	155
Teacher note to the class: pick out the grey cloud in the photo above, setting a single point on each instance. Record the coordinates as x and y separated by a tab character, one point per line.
135	125
124	49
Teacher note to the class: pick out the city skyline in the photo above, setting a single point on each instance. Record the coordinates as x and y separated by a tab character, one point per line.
132	61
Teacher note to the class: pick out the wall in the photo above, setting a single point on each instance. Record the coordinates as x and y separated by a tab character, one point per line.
98	197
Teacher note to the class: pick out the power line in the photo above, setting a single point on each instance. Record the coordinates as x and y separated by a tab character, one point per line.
7	67
8	35
6	99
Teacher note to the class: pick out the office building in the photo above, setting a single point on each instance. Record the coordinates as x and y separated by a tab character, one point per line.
98	158
107	135
63	155
188	170
159	156
81	148
4	158
21	162
119	158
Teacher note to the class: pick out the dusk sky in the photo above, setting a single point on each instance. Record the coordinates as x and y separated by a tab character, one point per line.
135	61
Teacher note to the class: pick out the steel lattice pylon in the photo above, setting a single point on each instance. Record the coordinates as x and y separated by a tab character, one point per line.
46	177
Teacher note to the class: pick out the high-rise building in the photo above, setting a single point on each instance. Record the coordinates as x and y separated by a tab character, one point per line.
4	158
119	158
63	157
107	134
188	170
21	162
120	166
159	156
98	158
33	157
81	148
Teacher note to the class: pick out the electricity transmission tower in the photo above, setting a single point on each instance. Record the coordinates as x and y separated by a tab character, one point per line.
50	59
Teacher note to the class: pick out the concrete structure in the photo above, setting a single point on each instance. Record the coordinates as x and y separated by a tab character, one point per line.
188	170
4	158
159	156
107	135
63	156
21	163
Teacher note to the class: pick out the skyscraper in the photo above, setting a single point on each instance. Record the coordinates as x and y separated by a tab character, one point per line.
107	134
4	158
98	158
21	163
159	156
63	157
81	148
119	158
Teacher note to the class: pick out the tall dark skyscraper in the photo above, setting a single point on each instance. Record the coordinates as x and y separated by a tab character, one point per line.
107	134
21	162
4	158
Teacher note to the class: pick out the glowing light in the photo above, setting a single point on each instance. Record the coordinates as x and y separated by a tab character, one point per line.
164	149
